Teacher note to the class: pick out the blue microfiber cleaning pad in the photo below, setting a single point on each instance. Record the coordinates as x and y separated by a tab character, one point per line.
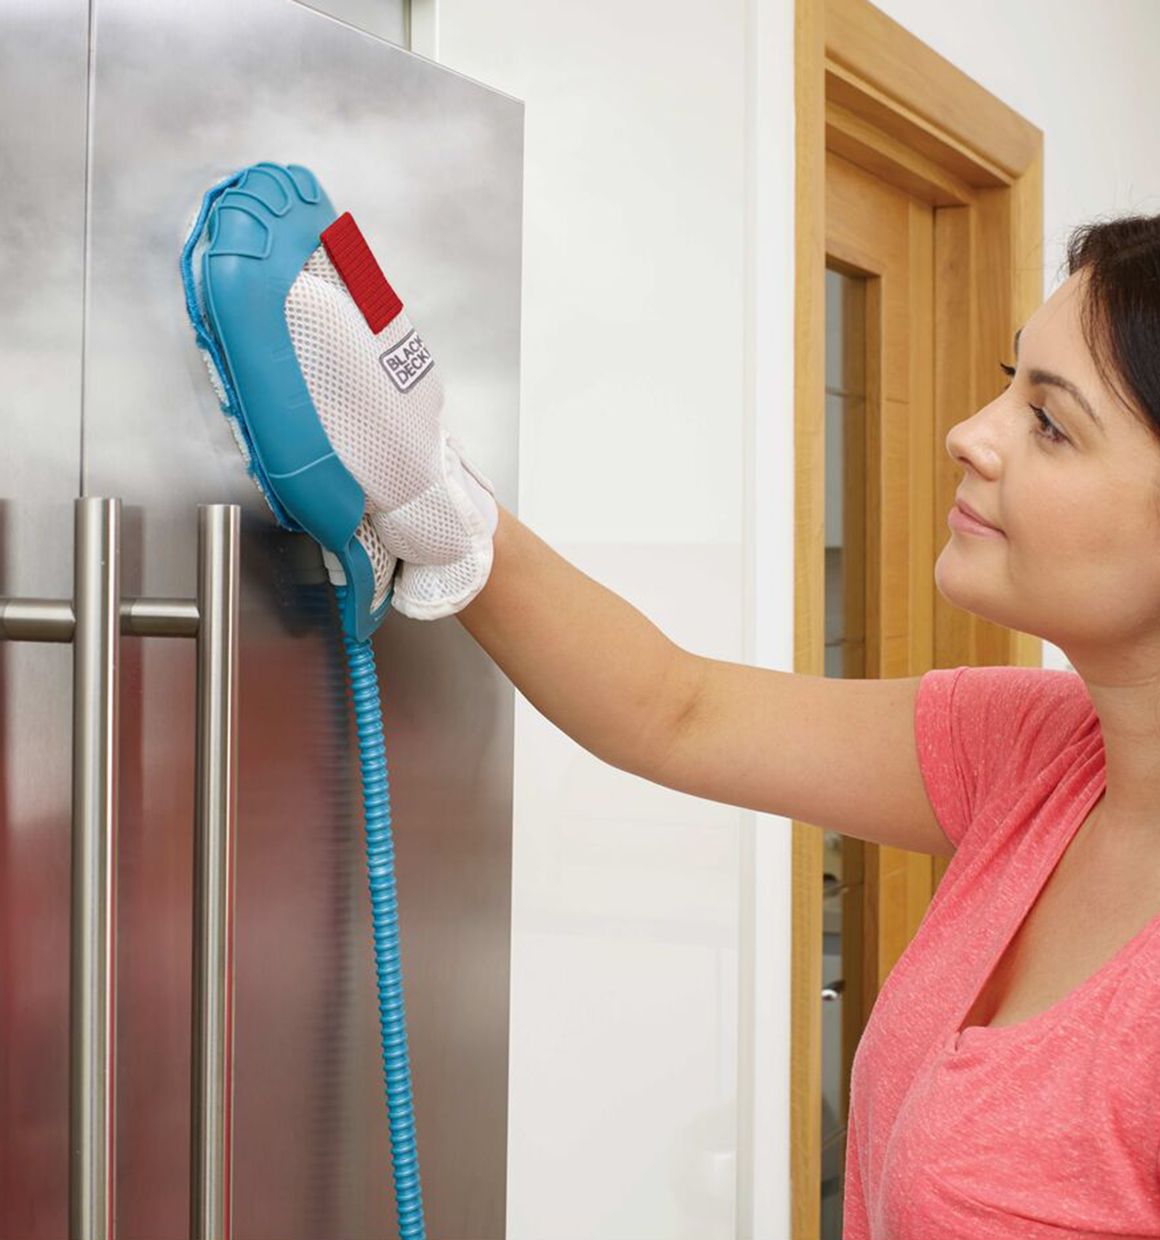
247	245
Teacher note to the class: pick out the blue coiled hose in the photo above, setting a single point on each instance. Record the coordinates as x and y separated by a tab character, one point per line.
360	657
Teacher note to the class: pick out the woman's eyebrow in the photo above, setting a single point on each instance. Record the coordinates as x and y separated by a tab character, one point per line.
1053	380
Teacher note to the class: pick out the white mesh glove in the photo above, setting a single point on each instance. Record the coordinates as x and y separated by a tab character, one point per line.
380	402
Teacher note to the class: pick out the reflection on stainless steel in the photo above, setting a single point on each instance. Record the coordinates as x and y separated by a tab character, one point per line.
430	165
43	96
93	1001
213	872
388	19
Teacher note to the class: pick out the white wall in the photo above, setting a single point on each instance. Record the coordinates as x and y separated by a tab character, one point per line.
625	984
650	981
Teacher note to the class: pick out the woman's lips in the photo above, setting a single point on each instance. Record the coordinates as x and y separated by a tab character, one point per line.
960	518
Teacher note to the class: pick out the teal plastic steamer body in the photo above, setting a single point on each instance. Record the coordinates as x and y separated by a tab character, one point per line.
253	235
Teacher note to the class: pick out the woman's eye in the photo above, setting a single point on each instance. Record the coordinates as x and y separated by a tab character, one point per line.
1046	428
1049	430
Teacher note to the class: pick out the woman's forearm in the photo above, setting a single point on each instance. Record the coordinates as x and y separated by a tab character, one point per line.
588	660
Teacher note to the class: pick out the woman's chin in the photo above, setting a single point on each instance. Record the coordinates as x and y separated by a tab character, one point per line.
959	584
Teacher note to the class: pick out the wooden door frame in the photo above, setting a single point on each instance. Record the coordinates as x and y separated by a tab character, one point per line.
871	91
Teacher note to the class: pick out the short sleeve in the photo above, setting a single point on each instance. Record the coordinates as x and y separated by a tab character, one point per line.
978	730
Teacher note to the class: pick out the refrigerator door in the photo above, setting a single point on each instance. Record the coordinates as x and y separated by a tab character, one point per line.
43	58
430	164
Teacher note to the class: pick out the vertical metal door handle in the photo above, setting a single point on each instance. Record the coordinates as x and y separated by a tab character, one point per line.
94	621
92	1019
214	854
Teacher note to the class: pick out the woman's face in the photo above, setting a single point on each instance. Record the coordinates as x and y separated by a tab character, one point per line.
1079	562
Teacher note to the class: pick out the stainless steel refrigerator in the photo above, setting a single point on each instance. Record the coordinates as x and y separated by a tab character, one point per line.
115	115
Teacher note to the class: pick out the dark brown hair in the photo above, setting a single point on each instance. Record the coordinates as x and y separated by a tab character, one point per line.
1121	312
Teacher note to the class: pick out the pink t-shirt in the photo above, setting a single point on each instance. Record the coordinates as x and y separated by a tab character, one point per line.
1049	1127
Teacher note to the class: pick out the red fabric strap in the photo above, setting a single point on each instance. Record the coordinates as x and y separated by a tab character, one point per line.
362	275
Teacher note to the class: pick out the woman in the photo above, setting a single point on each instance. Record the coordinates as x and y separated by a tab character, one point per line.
1043	940
1007	1082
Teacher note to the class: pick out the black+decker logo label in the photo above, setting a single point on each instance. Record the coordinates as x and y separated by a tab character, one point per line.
407	362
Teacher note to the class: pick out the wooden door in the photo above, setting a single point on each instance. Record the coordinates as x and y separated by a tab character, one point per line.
879	382
919	196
